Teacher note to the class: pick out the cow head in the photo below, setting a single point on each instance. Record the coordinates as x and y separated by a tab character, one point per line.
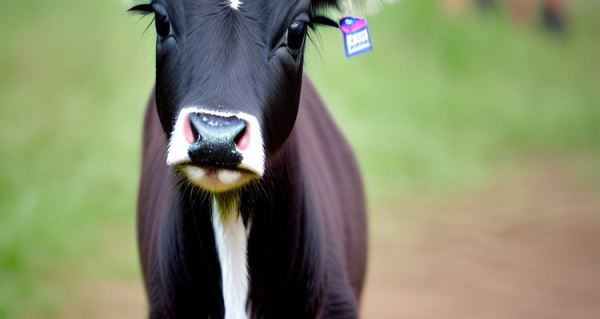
228	80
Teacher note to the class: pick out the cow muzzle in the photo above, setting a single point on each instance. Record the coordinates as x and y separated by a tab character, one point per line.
215	139
217	151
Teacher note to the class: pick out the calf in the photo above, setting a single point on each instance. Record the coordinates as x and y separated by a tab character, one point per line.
250	201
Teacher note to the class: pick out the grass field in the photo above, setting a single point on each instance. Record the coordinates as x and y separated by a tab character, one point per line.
441	105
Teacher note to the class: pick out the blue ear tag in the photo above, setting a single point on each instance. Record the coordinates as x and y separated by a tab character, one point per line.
357	39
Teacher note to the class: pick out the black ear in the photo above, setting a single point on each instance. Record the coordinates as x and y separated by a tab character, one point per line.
321	20
143	9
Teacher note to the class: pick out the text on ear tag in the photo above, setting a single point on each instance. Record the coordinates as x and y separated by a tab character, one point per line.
357	39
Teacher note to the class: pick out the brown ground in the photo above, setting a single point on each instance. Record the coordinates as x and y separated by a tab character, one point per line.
526	247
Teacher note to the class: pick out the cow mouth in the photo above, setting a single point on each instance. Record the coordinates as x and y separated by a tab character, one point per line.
216	179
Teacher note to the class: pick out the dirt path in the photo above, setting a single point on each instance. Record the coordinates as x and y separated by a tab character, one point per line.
526	247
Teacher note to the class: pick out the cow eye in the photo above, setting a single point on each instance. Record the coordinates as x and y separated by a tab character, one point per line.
295	35
161	21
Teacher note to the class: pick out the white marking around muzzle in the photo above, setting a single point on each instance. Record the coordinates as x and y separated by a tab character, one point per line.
253	157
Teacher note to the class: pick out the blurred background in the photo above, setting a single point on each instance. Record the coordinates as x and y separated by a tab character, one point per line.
476	123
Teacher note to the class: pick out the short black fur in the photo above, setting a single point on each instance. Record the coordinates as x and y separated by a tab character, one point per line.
306	215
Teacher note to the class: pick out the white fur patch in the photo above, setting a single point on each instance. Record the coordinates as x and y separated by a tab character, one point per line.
231	238
235	4
194	173
253	157
229	177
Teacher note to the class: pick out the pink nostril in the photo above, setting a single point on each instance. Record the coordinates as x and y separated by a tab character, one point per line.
243	139
188	133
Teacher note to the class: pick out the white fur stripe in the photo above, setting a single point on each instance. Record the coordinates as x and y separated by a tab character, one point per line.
235	4
231	239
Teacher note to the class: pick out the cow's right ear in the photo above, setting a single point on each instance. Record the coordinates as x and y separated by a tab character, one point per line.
143	9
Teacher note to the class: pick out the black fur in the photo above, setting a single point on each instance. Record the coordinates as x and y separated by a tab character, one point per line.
307	242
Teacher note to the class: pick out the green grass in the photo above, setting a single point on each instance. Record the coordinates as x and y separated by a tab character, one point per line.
74	78
438	105
442	101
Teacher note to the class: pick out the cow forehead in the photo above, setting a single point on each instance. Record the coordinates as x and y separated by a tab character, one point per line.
247	5
238	4
259	19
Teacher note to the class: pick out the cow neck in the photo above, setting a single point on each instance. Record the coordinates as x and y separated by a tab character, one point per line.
283	249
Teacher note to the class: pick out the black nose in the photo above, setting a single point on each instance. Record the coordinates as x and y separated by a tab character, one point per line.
216	138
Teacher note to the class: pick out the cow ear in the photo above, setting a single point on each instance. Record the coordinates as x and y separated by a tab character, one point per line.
143	9
322	20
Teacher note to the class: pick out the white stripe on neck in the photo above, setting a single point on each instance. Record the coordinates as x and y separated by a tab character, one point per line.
235	4
231	239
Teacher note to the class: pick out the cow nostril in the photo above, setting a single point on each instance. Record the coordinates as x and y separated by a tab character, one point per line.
195	135
242	139
190	132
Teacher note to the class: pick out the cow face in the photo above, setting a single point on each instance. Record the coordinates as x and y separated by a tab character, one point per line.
228	80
